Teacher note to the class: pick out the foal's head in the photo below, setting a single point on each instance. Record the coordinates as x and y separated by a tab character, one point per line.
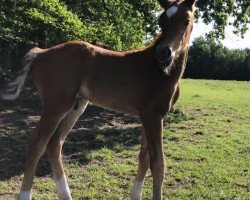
176	23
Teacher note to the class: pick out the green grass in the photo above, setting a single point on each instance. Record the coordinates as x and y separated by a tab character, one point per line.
206	144
210	155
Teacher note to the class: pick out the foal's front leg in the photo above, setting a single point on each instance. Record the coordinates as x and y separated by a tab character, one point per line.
153	125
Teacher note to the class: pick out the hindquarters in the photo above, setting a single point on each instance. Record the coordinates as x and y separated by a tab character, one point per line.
58	73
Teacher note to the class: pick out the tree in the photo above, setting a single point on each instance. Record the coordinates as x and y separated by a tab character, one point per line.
121	24
33	21
28	23
225	12
220	13
211	60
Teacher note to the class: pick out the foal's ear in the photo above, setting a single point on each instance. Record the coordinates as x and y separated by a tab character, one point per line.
190	3
164	3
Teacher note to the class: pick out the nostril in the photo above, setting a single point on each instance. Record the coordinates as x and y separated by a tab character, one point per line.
168	53
164	52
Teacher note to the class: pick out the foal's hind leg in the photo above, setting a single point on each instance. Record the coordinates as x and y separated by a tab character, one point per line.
143	166
50	119
54	148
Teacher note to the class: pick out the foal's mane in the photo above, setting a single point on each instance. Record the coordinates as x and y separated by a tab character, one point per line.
151	44
154	41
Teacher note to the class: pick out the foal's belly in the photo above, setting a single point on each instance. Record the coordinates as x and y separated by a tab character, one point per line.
107	98
118	108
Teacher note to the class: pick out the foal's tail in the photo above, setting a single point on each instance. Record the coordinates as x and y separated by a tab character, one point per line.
12	90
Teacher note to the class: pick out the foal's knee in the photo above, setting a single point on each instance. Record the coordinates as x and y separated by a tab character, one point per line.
157	164
53	149
144	157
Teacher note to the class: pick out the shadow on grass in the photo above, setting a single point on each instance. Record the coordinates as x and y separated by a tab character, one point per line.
80	143
96	128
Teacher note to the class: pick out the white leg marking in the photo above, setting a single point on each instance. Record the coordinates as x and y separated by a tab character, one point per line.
25	195
171	11
136	193
63	191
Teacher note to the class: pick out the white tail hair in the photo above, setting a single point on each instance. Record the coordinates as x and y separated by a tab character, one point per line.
12	90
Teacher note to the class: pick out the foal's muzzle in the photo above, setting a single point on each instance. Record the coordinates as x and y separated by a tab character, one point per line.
165	57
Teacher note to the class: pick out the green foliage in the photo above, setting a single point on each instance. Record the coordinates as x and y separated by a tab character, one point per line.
223	13
120	24
39	22
211	60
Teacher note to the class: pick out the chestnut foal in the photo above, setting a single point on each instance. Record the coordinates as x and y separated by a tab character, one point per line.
142	82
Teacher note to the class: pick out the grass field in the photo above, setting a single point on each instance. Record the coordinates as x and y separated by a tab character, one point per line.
206	144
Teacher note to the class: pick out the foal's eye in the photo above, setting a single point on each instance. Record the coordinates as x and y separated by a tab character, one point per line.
187	22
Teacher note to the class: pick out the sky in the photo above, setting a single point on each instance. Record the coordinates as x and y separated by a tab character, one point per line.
231	41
